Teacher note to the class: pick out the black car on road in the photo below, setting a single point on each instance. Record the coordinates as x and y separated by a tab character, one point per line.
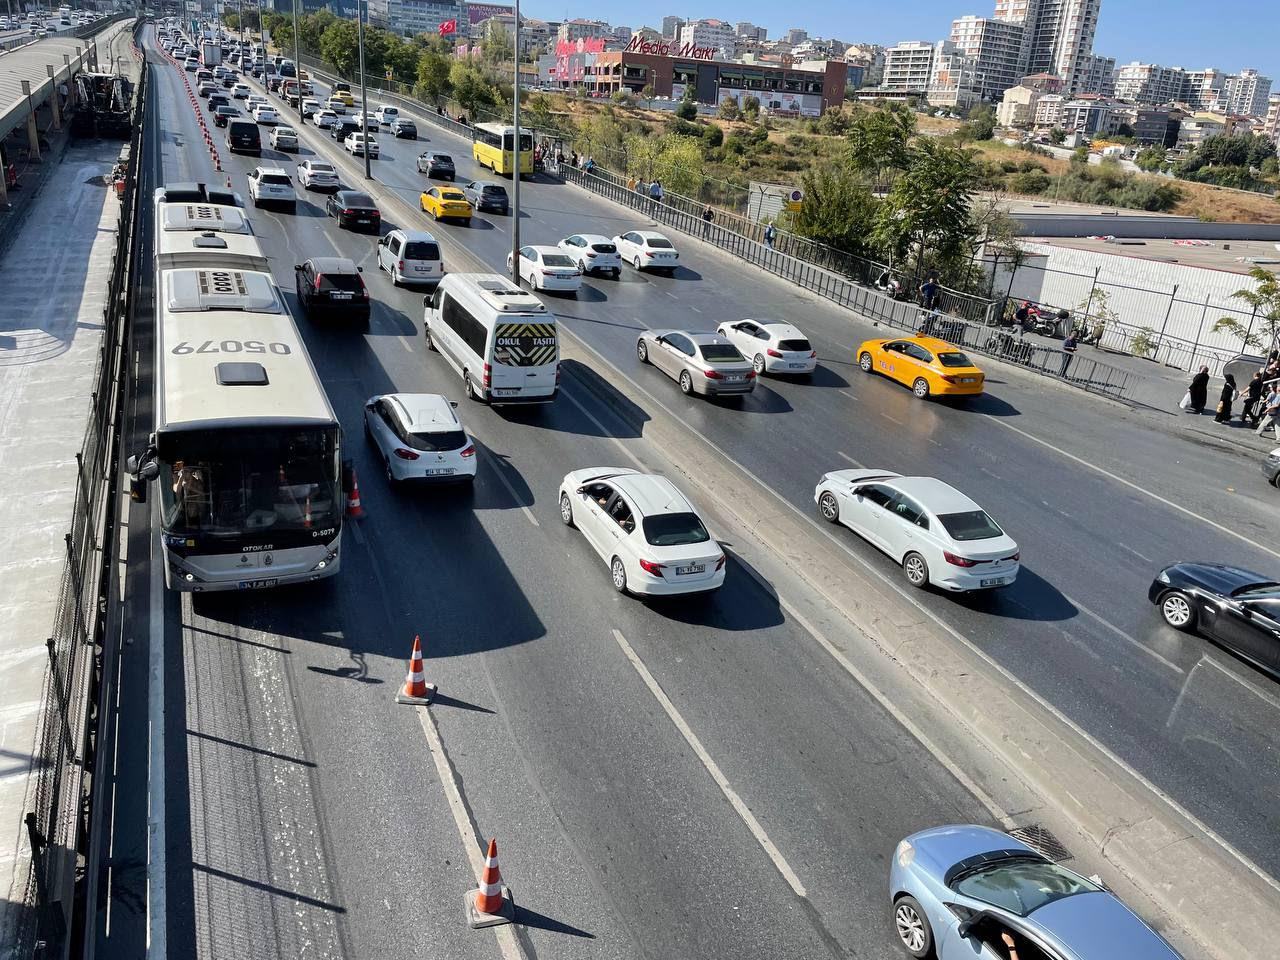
436	164
223	114
344	126
1237	608
403	129
485	195
331	287
354	210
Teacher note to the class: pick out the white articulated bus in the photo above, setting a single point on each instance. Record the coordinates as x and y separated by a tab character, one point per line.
246	448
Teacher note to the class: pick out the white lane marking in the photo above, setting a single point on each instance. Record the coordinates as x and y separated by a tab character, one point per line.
406	343
496	469
695	309
841	453
713	769
973	648
157	942
1122	635
887	417
466	830
1248	685
991	473
669	294
1142	490
1140	556
846	393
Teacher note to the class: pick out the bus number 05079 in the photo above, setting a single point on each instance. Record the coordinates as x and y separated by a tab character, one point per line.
232	346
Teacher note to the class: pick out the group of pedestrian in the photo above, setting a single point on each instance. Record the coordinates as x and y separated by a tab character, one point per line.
1260	398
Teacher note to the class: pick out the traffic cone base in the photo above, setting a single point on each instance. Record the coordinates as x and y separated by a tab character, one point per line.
476	920
415	689
428	694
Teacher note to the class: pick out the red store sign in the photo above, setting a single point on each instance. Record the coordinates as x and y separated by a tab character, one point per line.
661	49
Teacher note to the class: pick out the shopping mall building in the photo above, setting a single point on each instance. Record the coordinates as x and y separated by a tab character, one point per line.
672	68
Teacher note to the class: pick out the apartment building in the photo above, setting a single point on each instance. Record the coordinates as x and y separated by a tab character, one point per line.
953	80
750	31
1058	36
908	66
1246	93
708	33
1098	75
408	18
1150	83
1018	107
671	27
580	29
1271	125
1205	89
1048	111
797	35
995	46
1091	116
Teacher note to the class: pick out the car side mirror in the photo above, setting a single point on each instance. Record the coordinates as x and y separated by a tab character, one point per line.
581	491
359	269
426	301
454	404
965	927
297	266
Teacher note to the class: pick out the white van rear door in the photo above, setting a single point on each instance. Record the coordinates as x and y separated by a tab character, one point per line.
525	357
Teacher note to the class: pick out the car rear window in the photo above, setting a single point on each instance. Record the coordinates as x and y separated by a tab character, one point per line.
719	351
451	195
421	250
604	248
659	243
799	345
954	359
674	529
556	260
321	168
438	442
493	190
359	200
441	158
229	111
279	179
970	525
340	281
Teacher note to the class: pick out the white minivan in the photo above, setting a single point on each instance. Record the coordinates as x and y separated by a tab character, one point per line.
501	340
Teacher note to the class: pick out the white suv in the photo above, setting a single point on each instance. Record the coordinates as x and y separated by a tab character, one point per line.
419	438
386	114
410	256
272	185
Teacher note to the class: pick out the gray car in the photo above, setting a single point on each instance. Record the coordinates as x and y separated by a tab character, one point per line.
956	891
704	363
485	195
436	164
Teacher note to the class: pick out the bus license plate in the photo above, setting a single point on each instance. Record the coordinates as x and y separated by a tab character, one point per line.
257	584
691	568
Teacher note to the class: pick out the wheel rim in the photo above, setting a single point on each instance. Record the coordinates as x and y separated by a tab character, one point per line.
865	362
636	263
758	363
915	568
910	927
642	351
829	508
566	508
1177	611
466	384
686	382
921	388
619	574
390	476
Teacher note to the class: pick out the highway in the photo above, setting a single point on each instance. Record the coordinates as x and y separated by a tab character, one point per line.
304	811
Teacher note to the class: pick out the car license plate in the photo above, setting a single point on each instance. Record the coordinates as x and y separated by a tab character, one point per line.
506	391
257	584
968	379
339	296
732	378
439	471
362	219
691	568
994	581
795	366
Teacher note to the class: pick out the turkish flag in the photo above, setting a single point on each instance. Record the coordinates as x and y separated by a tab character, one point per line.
449	26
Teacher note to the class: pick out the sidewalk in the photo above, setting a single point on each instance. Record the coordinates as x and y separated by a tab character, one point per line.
55	277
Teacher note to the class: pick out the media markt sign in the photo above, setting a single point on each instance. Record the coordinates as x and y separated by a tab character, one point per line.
660	48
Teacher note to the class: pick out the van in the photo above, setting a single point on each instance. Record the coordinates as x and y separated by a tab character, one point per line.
243	137
501	340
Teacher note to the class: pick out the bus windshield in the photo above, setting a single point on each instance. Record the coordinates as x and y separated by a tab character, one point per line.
231	483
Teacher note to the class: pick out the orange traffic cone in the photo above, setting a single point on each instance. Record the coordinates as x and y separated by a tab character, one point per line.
416	690
306	516
354	509
490	903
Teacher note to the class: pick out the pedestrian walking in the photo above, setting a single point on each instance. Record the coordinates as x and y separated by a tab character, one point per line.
631	183
1225	399
1252	406
708	215
1271	413
929	293
655	190
1198	392
770	234
1022	317
1069	347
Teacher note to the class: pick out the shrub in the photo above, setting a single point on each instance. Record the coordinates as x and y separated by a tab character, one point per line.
687	110
712	135
1029	182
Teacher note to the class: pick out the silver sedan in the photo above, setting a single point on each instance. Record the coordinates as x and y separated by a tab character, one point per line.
704	363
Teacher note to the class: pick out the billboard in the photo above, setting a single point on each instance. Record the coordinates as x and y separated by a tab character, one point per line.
476	12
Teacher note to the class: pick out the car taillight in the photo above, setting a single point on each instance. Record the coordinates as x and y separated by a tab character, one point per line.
347	213
557	374
317	283
591	256
404	454
487	376
651	567
773	353
713	374
951	558
648	253
1017	556
720	562
400	265
949	378
751	374
469	450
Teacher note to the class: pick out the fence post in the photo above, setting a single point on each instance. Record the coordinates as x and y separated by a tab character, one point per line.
1252	317
38	843
62	702
1092	290
1168	310
1200	332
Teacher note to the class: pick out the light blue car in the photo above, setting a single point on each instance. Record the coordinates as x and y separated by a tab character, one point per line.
963	892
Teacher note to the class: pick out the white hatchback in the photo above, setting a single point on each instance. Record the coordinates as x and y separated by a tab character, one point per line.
592	253
272	185
937	534
241	91
771	347
645	530
358	144
646	250
419	438
387	114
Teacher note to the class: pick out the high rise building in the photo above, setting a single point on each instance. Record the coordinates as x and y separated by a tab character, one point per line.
908	66
671	27
797	35
1247	93
707	33
953	78
1149	83
750	31
1205	89
995	47
1058	36
1271	126
1098	76
408	18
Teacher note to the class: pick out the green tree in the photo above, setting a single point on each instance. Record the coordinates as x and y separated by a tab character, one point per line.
496	46
982	122
687	109
1029	182
750	107
838	209
679	164
878	142
434	65
311	29
927	210
728	109
648	93
339	46
1150	159
470	88
231	20
1264	300
1058	136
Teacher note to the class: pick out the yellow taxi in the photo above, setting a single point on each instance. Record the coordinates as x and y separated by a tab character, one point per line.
345	96
446	203
929	366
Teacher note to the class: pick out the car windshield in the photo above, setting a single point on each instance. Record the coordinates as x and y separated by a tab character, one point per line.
340	281
719	351
421	250
674	529
1021	886
970	525
954	359
556	260
438	442
659	243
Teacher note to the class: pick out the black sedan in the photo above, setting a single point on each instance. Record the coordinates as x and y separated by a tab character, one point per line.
404	129
1237	608
436	164
223	114
487	196
354	210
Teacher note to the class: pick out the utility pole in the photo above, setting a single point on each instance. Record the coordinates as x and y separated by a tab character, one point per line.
515	176
297	60
364	101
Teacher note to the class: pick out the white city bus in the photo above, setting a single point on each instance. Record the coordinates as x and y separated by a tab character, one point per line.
246	448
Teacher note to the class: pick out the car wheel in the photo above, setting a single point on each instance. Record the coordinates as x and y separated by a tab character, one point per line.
618	571
566	510
864	362
636	263
1177	611
757	364
915	569
913	927
642	351
686	382
368	434
920	388
469	388
830	507
391	477
617	272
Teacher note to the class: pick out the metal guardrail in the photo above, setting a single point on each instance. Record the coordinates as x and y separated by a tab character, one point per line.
1085	372
56	818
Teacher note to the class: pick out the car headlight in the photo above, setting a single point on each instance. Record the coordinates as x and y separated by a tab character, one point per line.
905	854
1163	576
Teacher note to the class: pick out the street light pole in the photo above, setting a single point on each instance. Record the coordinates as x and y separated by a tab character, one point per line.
297	60
364	100
515	175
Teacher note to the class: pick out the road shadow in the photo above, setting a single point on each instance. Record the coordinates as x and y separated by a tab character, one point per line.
985	403
763	399
745	602
598	392
589	294
1030	598
441	700
683	273
396	323
538	921
822	376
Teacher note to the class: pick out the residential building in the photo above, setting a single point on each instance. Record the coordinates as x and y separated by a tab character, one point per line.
797	35
411	17
1049	111
750	31
1197	128
708	33
1098	75
995	46
1018	106
871	56
580	29
1247	93
1091	116
622	34
671	27
1271	126
1156	126
908	66
1149	83
535	35
1058	36
953	79
1205	89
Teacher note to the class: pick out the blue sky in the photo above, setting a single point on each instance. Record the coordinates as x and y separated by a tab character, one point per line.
1228	34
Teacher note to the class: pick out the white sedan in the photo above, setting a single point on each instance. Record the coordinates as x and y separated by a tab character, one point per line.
358	144
646	250
546	268
644	529
771	347
317	175
934	531
324	119
419	438
592	253
265	115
